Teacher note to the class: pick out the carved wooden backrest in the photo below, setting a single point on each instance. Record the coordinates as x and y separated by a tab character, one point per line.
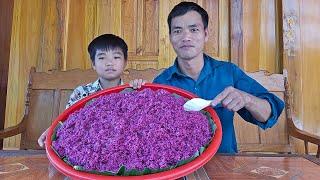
252	138
48	94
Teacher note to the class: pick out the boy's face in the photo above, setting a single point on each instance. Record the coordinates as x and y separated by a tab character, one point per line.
110	64
188	35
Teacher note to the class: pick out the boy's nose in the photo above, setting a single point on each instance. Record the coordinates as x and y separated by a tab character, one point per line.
108	63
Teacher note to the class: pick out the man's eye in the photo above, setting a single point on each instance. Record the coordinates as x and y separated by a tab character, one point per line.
194	30
177	31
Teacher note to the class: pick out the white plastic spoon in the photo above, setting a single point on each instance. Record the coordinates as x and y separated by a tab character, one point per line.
196	104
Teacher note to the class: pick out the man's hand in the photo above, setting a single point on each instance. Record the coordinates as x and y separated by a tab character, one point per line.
235	99
137	83
42	138
232	99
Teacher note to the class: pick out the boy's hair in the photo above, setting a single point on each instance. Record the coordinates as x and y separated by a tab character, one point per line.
184	7
107	42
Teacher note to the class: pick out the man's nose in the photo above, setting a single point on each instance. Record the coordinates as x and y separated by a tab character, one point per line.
186	36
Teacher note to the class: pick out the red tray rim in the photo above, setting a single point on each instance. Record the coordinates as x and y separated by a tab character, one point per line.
169	174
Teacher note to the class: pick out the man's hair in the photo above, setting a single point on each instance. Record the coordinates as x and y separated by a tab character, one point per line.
184	7
107	42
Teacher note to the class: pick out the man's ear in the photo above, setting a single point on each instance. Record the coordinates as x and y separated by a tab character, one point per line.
125	63
93	66
206	34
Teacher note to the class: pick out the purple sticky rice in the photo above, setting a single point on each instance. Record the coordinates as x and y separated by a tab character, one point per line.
139	129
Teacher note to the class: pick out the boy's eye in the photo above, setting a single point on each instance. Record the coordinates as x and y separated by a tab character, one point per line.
117	57
101	58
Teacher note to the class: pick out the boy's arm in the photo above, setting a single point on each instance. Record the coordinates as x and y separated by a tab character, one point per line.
75	96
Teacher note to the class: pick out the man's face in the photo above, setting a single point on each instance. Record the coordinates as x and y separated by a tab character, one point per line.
109	64
188	35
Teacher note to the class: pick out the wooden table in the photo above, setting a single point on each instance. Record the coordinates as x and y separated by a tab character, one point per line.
34	165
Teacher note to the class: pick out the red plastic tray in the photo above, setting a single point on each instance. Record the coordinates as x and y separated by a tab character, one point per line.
175	173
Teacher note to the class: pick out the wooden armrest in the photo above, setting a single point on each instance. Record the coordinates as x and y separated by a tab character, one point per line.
301	134
12	131
305	136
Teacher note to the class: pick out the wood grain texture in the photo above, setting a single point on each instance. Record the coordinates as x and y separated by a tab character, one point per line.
24	53
236	33
300	20
54	36
212	46
224	39
219	167
6	13
242	167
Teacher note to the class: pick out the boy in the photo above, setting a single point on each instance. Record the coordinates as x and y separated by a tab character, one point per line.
108	54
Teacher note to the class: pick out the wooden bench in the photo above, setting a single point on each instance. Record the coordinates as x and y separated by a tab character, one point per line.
48	93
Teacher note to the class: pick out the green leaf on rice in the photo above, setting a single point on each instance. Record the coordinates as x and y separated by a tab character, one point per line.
146	171
54	134
121	170
202	149
78	168
185	161
133	173
106	173
56	152
65	159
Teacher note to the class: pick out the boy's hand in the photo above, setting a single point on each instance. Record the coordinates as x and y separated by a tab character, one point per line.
42	138
137	83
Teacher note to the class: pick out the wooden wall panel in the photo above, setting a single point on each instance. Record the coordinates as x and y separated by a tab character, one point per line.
50	36
6	13
310	17
224	39
150	29
129	24
301	54
55	34
109	17
211	47
259	35
251	34
76	56
310	38
24	53
236	32
166	52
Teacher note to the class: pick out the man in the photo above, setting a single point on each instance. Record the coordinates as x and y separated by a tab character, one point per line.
229	87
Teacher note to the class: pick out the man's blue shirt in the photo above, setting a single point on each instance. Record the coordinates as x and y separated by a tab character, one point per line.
215	76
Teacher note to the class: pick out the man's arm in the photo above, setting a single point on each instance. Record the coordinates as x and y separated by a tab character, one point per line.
235	99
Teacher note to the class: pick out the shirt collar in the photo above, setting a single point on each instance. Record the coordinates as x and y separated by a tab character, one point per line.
209	65
97	84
